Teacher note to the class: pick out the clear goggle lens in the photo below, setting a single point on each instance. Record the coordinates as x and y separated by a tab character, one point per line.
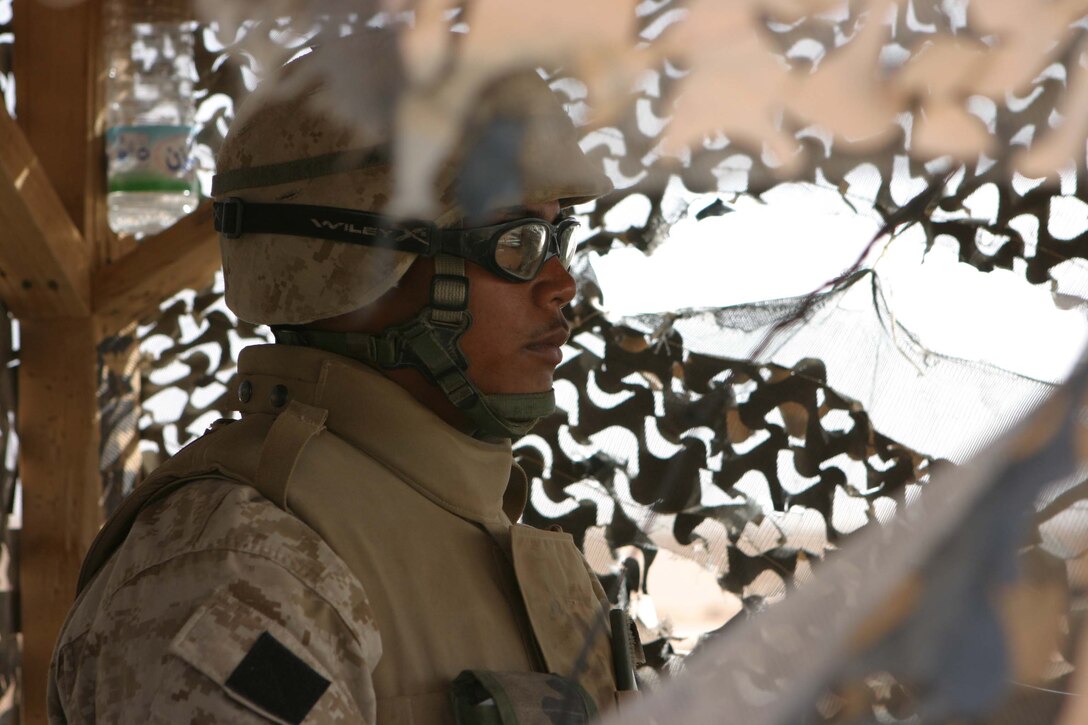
522	250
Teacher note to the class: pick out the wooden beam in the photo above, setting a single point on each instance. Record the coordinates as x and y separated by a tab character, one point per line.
58	440
58	78
44	261
184	256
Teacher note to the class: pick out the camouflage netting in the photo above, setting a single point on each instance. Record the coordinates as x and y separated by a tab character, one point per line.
1021	234
10	522
671	436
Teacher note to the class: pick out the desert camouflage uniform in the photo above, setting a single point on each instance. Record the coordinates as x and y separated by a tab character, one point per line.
226	603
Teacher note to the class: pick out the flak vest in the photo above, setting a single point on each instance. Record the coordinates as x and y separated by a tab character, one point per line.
419	513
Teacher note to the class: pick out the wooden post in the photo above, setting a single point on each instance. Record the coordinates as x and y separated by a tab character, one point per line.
44	262
70	281
59	100
56	73
58	437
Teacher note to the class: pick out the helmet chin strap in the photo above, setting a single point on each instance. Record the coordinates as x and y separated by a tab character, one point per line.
430	343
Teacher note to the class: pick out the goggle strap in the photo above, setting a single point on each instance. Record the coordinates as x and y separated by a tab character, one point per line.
449	290
233	217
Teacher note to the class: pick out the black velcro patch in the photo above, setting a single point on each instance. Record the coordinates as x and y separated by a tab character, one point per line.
273	678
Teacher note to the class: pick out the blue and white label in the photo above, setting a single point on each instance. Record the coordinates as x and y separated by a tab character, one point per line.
149	158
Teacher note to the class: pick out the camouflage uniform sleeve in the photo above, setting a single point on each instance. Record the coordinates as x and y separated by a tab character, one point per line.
219	607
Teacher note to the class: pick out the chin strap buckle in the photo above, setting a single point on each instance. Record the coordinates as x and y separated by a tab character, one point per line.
457	388
228	217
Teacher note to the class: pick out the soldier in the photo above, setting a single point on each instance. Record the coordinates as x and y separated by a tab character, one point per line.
345	551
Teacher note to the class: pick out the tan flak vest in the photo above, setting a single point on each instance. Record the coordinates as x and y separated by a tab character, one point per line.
419	512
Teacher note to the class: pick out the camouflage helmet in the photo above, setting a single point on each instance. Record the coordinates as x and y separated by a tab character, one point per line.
284	147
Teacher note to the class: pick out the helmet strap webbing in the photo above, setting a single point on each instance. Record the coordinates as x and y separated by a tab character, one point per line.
430	343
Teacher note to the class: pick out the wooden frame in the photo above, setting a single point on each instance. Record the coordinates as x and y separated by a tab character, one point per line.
70	282
44	262
184	256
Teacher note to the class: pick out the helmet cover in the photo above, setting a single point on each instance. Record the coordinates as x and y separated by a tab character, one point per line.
288	146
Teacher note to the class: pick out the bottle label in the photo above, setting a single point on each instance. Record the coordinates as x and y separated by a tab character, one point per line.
149	158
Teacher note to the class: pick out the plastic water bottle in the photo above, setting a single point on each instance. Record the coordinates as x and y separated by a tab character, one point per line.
149	114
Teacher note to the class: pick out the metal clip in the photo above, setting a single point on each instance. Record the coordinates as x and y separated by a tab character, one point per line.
228	217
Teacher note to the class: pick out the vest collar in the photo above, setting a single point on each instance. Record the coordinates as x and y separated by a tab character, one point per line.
466	476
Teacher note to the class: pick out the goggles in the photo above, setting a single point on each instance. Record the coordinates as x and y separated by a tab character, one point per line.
515	250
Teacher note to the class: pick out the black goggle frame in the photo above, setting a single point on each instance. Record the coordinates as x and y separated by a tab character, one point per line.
234	217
